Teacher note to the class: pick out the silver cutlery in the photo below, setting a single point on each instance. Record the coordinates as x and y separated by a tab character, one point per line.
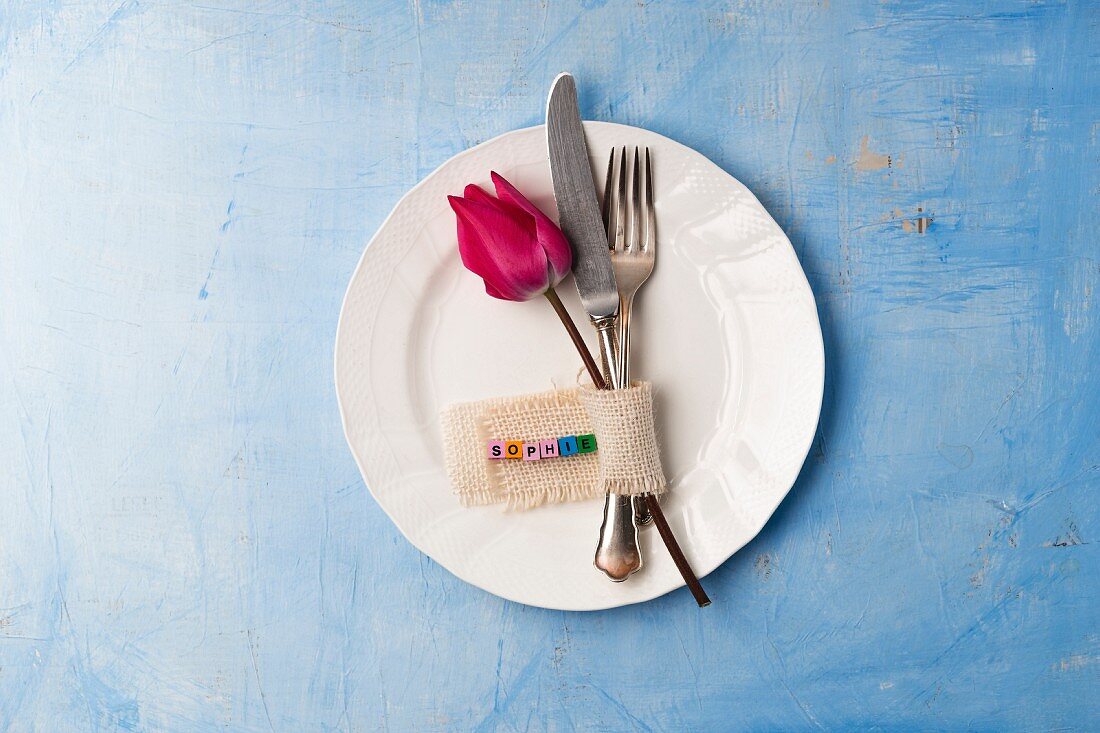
617	554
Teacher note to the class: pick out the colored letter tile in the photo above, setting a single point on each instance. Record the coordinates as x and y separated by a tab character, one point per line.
531	451
567	446
586	443
548	449
496	449
513	449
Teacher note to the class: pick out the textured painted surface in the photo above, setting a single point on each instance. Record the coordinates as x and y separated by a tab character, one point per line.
185	543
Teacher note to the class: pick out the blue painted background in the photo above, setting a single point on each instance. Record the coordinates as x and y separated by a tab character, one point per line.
185	542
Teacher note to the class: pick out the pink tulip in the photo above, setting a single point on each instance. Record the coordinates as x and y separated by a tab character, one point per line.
517	251
515	248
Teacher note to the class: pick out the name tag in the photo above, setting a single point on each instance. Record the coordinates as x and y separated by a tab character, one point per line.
537	450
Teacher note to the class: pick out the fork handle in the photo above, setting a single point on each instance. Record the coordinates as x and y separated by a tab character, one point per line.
609	351
617	553
626	304
642	515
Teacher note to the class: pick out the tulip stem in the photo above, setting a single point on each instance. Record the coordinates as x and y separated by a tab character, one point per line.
582	347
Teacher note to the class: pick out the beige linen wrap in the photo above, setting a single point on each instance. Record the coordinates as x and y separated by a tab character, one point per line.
626	461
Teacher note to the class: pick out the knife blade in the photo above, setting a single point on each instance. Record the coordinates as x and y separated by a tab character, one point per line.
578	209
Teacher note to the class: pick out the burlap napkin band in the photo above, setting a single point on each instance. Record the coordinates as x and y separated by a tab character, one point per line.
627	460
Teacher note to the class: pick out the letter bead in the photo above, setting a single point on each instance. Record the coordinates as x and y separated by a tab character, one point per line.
513	449
567	446
531	451
586	443
548	449
496	449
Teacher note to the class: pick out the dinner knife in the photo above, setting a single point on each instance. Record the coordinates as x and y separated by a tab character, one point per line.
579	212
617	553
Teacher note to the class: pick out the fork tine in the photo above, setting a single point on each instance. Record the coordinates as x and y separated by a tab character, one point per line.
616	215
606	205
612	201
639	212
650	214
633	208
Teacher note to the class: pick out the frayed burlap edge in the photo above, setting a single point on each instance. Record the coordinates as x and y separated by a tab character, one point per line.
627	460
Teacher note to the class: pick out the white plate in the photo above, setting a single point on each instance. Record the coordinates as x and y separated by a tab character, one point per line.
726	329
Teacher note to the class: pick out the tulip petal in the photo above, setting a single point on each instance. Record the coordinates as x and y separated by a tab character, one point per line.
510	194
474	192
502	248
550	237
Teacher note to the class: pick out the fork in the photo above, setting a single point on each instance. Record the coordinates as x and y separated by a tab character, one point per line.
632	237
617	553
